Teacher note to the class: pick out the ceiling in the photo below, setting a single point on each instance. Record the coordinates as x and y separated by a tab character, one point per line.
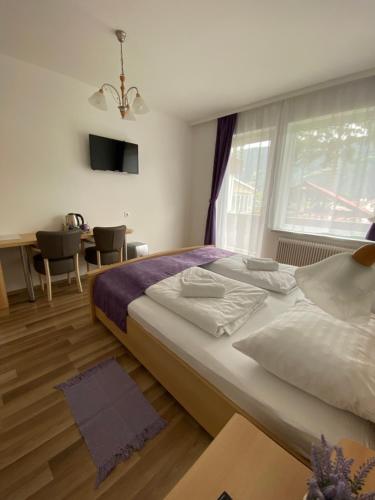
195	59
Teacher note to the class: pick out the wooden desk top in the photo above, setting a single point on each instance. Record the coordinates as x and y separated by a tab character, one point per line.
246	464
23	240
360	455
27	239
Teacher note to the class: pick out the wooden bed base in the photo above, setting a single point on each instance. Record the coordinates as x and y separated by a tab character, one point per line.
205	403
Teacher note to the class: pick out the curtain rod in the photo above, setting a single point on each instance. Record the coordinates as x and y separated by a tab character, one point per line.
294	93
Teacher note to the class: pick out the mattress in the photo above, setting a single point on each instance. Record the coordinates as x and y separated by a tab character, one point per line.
296	417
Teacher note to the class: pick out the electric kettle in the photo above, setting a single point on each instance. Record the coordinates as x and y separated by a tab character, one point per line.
74	221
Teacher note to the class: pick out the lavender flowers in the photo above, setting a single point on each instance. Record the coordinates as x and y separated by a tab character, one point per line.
332	478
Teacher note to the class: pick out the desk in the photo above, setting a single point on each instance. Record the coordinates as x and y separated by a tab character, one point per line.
360	454
247	464
23	243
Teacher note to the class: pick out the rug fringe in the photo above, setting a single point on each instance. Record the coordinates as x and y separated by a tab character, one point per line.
123	453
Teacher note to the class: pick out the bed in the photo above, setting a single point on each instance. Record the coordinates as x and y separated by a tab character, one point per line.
211	380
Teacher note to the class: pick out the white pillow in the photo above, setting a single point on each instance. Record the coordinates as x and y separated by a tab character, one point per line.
340	286
324	356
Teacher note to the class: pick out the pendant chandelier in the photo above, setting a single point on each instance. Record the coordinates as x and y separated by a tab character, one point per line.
122	97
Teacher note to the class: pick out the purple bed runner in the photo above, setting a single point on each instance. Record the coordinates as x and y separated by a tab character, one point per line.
112	414
116	288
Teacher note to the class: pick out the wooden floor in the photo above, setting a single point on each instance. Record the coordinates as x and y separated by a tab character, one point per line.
42	455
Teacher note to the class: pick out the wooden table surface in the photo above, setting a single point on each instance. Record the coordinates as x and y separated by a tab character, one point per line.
246	464
27	239
360	455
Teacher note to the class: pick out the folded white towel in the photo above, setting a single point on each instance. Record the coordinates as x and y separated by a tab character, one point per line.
215	316
189	276
261	264
202	288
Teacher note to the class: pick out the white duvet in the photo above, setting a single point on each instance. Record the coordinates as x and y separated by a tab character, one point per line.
281	281
216	316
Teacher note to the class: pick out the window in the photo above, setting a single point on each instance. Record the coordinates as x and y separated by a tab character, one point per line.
327	175
241	199
304	164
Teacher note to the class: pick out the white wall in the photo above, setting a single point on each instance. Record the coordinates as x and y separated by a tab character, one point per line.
203	147
45	120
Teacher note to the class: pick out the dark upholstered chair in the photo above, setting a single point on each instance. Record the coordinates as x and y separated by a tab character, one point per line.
58	255
109	244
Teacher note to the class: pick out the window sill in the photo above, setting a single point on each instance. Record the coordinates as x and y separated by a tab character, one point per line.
335	240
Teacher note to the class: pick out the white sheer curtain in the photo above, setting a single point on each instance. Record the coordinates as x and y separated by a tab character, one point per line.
242	203
305	165
325	181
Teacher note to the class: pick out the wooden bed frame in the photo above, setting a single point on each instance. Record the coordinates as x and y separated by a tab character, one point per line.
205	403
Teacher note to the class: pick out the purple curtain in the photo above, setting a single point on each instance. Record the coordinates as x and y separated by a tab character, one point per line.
224	134
371	233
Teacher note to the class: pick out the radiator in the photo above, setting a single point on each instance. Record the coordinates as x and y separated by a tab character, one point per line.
302	253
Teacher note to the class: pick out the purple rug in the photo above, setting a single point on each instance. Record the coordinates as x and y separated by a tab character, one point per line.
112	414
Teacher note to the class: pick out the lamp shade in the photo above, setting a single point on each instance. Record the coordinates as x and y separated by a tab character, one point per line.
129	115
98	100
139	105
340	286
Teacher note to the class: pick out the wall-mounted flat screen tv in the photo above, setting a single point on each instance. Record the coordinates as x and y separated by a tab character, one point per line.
110	154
